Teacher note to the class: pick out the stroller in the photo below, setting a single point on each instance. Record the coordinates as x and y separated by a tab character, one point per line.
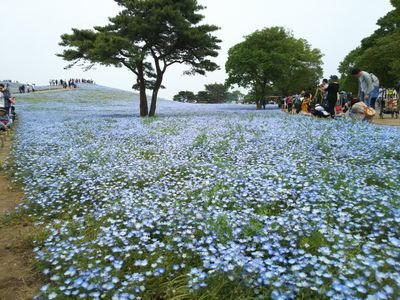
389	104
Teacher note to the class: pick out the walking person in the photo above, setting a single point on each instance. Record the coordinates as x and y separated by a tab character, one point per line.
368	86
332	94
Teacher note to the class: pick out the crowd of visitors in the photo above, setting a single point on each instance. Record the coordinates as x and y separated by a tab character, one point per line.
329	101
71	83
27	88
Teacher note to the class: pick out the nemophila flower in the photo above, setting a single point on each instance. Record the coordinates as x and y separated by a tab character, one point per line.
276	203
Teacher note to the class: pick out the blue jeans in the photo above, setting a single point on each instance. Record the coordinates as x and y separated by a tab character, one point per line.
372	97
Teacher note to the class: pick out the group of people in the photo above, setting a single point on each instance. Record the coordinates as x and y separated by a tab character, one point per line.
71	83
329	101
27	88
7	107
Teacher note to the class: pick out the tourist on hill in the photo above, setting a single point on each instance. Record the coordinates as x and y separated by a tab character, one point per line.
368	90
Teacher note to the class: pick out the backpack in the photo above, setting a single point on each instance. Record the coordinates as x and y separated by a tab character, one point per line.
374	79
297	100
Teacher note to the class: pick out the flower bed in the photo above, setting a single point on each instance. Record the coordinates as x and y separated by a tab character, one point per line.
208	201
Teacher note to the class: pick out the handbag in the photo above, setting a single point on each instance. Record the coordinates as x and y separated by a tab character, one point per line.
369	112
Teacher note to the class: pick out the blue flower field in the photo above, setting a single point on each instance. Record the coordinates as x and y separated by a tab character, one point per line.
206	202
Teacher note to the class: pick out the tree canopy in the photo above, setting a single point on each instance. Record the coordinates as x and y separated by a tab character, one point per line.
212	93
378	53
185	96
147	37
271	60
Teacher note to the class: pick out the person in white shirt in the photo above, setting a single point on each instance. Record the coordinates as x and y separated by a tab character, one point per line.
368	86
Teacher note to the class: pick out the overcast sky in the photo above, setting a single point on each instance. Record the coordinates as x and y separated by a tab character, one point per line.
31	32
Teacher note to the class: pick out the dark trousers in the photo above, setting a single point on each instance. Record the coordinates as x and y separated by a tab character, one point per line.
373	101
7	109
331	108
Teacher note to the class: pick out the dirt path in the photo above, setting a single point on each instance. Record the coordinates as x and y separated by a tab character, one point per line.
18	279
387	121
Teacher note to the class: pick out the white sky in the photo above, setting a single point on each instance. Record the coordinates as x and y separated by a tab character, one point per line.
31	32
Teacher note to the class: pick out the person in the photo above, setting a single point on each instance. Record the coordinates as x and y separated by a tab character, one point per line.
5	121
13	114
21	89
368	86
1	95
305	104
332	94
358	111
398	88
6	95
324	84
289	102
298	101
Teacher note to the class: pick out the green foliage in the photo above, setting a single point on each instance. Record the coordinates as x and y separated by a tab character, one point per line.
217	92
378	53
235	96
213	93
147	37
185	96
272	59
202	97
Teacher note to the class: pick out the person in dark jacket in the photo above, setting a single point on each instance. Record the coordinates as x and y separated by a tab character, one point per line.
332	96
7	97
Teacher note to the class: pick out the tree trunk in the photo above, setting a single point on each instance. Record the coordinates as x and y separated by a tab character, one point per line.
154	96
144	110
259	104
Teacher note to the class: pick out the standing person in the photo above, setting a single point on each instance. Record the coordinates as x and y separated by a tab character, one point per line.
289	102
368	90
6	96
324	87
332	94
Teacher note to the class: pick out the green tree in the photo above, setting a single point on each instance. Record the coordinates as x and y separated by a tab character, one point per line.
378	53
273	59
147	37
217	93
235	96
203	97
185	96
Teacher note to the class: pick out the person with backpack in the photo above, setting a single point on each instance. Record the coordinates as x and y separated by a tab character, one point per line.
368	86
